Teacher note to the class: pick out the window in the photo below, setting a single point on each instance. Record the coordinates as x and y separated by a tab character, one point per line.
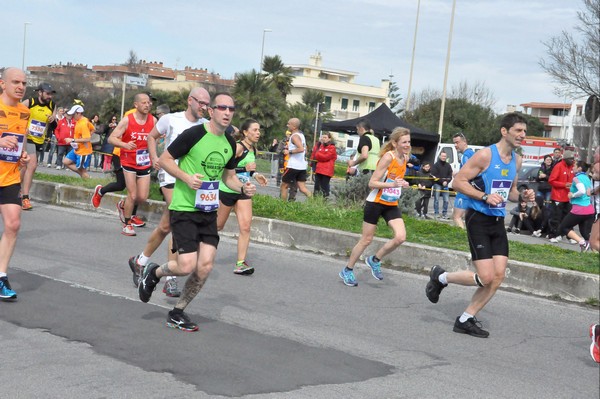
371	106
355	105
327	103
344	103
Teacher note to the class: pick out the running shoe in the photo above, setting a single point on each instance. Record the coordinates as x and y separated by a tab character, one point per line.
181	321
6	292
96	197
348	276
26	204
375	267
585	246
121	210
537	233
243	268
137	222
136	269
128	230
171	289
434	287
572	241
595	346
148	282
471	326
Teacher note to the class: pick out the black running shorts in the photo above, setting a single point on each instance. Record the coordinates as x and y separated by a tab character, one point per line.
229	199
10	194
189	229
486	234
292	175
138	172
373	211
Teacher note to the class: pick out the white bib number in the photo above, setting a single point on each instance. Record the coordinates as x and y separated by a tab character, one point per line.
142	158
9	154
391	194
502	188
37	128
207	196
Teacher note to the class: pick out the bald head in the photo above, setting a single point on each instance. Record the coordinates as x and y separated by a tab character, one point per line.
293	124
198	100
200	93
13	83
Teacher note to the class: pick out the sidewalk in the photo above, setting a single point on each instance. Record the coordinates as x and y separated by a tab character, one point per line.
526	277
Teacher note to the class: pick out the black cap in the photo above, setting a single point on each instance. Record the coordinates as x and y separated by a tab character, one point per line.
152	98
46	87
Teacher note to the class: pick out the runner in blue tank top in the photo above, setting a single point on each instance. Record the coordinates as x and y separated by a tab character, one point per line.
489	179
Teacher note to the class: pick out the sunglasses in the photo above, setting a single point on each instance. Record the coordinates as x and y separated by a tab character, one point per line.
224	107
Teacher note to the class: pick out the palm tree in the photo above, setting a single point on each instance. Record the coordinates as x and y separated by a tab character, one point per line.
312	97
257	98
278	74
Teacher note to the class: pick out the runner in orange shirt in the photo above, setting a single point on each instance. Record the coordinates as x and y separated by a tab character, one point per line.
14	117
78	159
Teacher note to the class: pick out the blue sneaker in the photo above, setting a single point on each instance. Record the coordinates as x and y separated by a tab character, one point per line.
348	276
6	293
375	268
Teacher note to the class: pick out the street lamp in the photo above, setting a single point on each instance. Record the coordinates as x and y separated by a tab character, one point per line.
412	62
441	124
262	50
24	43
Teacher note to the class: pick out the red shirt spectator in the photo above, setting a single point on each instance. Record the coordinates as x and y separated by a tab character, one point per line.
561	178
64	129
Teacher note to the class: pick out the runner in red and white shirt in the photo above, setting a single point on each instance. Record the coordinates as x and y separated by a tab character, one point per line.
131	135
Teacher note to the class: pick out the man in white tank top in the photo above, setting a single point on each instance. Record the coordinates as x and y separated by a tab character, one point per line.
296	166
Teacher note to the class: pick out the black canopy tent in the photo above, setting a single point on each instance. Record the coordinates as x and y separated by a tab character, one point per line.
383	121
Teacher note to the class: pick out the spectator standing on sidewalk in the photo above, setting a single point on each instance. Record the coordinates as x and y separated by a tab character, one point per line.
424	183
441	171
64	130
544	188
324	154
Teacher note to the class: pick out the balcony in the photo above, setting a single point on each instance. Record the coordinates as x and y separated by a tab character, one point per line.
342	115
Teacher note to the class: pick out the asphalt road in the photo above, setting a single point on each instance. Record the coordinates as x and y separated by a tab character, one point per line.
291	330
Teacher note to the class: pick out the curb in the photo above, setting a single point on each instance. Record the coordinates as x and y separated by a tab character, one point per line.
416	258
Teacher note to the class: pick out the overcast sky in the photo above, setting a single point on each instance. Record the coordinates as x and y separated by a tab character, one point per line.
497	42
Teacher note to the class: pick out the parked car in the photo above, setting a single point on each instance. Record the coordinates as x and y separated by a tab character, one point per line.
527	176
345	156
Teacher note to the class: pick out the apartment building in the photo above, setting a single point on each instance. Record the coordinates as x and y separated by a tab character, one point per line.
343	98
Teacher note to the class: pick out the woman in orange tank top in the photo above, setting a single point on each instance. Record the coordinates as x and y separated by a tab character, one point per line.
386	184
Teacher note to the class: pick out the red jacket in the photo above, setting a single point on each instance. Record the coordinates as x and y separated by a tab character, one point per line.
560	176
325	155
64	129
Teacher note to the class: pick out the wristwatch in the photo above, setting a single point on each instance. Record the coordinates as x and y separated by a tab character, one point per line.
484	198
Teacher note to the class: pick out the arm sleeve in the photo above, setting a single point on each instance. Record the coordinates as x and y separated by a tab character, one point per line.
580	189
